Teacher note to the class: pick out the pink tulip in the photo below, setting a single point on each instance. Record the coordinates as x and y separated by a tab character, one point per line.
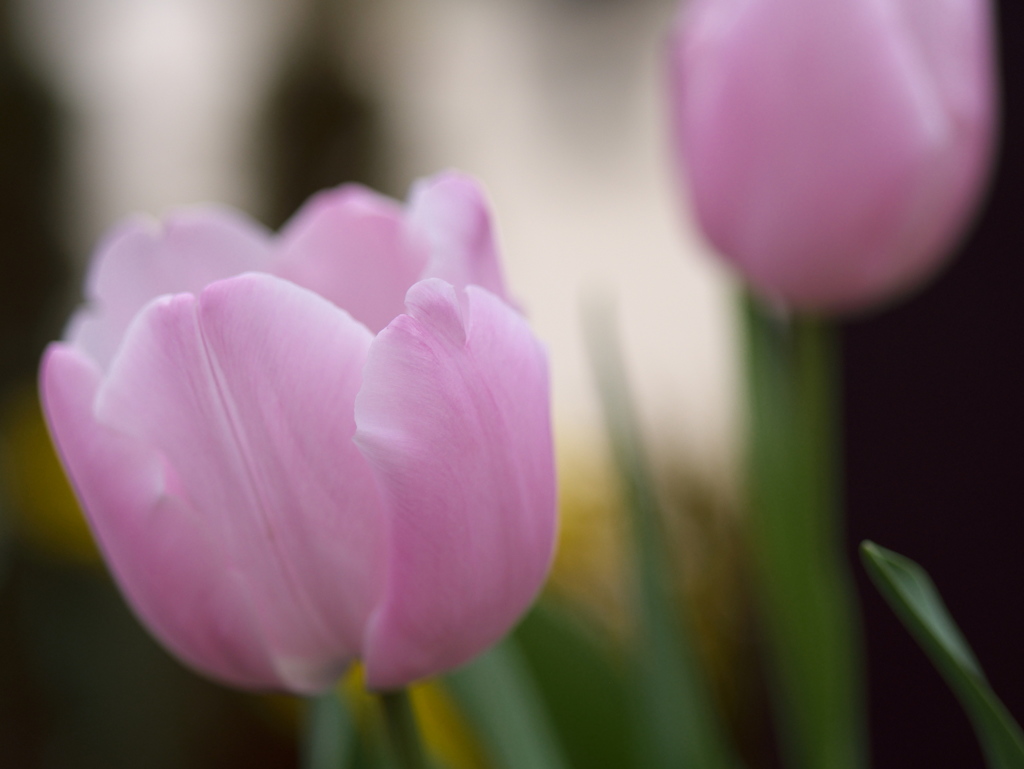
302	449
834	149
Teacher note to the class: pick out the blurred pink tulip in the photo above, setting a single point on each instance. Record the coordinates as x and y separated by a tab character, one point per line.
834	149
300	449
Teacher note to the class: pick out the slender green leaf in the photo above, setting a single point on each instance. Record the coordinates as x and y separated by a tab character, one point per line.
912	595
678	724
803	580
497	694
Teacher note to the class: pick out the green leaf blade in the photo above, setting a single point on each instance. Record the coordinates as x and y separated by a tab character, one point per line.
913	596
677	723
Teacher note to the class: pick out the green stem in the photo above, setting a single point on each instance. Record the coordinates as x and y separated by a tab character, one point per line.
400	723
809	609
330	732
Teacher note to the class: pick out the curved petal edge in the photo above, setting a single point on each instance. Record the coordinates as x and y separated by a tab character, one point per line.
453	416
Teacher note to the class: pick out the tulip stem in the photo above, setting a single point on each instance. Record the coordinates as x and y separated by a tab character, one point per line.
330	733
809	612
400	723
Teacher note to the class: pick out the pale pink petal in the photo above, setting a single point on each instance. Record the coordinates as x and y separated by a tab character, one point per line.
248	393
171	569
450	212
454	418
833	149
143	259
351	246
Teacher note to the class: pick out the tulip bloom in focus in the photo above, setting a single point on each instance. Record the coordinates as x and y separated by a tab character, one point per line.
834	149
304	448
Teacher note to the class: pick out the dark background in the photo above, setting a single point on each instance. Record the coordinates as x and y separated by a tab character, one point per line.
934	411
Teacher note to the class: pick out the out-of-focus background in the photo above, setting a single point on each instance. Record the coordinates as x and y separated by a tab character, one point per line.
108	107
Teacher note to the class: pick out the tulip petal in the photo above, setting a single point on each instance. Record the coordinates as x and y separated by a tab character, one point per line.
143	259
454	418
169	567
833	149
450	212
351	246
248	393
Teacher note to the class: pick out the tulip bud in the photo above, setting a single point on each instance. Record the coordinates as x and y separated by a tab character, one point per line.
303	449
834	149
